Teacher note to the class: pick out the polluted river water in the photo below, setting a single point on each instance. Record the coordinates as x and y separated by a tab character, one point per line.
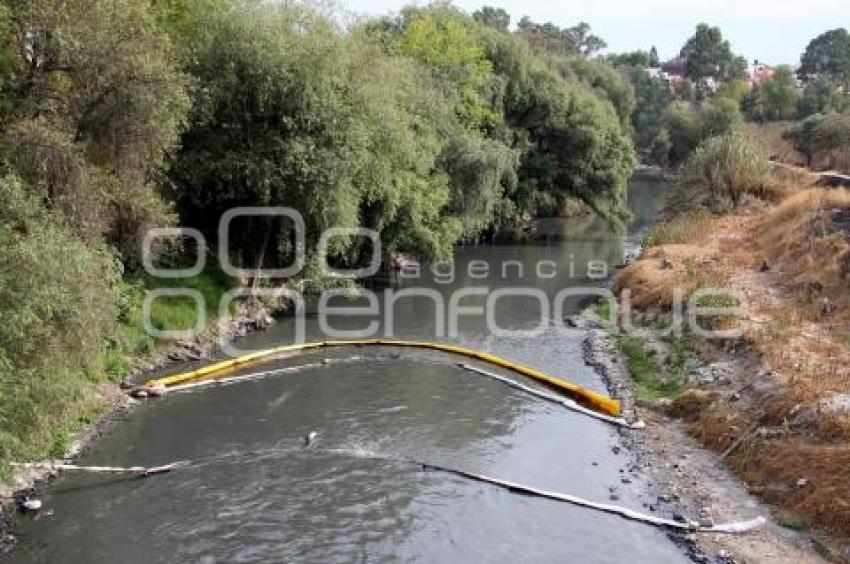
256	494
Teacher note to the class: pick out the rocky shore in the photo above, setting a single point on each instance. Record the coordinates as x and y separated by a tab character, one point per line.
685	480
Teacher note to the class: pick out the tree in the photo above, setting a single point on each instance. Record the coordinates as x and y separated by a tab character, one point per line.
822	96
827	55
497	18
777	97
652	96
572	142
96	113
58	305
633	59
654	61
707	54
588	43
549	38
604	79
818	135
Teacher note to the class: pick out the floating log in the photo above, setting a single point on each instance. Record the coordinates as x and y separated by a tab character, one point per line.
560	400
141	471
736	527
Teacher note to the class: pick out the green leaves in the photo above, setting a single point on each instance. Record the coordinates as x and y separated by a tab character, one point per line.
828	56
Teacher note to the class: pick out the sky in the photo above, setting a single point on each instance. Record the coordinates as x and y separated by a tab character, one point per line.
775	32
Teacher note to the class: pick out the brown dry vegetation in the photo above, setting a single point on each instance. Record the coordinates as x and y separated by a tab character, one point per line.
796	348
769	138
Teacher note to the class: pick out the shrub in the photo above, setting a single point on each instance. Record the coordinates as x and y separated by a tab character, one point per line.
683	228
58	305
821	138
725	168
685	127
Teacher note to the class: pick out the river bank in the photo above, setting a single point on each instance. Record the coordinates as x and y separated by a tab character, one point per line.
250	316
770	405
686	479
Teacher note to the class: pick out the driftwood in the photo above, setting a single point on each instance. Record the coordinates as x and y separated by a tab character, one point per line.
735	527
141	471
560	400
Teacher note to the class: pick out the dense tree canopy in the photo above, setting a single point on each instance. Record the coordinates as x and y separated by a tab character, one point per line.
828	56
497	18
431	127
775	99
707	54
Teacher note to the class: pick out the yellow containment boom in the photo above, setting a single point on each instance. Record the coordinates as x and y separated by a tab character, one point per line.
593	399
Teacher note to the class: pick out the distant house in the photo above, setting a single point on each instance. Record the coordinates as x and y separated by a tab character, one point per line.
673	70
760	72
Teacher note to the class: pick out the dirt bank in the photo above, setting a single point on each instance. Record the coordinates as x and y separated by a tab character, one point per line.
685	479
773	405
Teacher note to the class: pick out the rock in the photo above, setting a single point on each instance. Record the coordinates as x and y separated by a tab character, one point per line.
615	449
838	404
765	266
827	307
802	483
665	498
666	264
679	517
31	505
705	522
692	365
724	555
613	497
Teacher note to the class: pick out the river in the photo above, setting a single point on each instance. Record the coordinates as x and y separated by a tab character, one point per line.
258	496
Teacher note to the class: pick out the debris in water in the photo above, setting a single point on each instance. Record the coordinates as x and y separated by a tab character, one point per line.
310	438
31	505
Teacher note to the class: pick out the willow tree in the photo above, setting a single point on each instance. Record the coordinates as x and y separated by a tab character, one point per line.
97	104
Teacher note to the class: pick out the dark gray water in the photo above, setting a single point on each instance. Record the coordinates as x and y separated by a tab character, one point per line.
258	496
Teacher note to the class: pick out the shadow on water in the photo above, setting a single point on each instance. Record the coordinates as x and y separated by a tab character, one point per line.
258	496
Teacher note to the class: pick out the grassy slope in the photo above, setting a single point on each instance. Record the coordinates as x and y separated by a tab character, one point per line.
71	403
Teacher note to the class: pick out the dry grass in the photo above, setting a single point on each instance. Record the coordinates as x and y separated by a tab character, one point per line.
684	228
812	250
799	355
769	137
659	273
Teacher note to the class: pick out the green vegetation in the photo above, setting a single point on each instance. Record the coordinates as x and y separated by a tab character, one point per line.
775	99
817	136
726	168
828	55
55	322
790	521
707	54
431	127
651	382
